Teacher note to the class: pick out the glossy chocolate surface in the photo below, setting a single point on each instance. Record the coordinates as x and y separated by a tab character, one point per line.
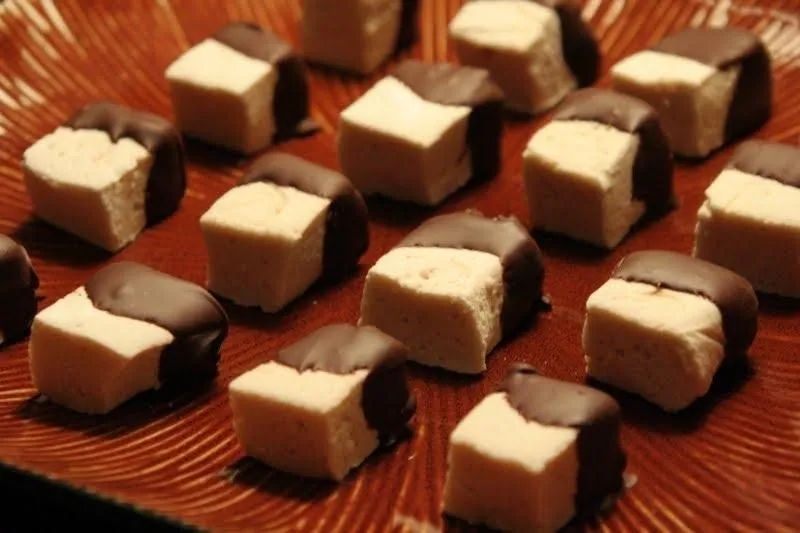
18	284
731	293
167	181
775	161
189	312
342	349
580	48
346	229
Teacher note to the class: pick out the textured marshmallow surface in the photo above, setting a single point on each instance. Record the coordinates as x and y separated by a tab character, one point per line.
589	197
692	98
394	143
90	360
662	344
309	423
751	225
202	64
519	42
84	171
443	303
510	473
265	243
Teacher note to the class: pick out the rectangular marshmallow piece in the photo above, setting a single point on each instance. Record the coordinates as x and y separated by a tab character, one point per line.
394	143
519	42
692	99
590	197
308	423
89	360
751	225
662	344
443	304
88	185
509	473
265	243
223	96
356	35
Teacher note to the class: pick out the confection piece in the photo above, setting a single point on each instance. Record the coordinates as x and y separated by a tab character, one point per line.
623	173
18	284
664	323
708	85
127	330
241	88
537	50
284	226
357	35
750	223
121	169
326	403
534	454
420	134
454	287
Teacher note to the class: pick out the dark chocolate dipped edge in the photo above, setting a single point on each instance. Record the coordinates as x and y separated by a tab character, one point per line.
596	416
291	101
166	183
653	166
387	401
731	293
448	84
579	46
196	320
523	269
346	229
722	48
778	162
408	25
18	284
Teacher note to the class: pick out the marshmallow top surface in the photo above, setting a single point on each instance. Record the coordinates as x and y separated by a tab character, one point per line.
511	25
391	108
263	208
84	158
658	68
203	63
745	195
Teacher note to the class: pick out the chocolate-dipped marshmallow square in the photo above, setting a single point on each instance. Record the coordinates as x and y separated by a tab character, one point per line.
534	454
120	169
326	403
750	222
422	133
18	284
709	86
241	88
284	226
454	287
357	35
664	323
624	170
538	51
127	330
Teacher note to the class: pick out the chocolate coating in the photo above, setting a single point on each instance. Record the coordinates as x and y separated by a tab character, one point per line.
408	25
722	48
731	293
523	270
189	312
290	104
386	400
596	416
18	284
653	166
579	46
448	84
779	162
167	181
346	229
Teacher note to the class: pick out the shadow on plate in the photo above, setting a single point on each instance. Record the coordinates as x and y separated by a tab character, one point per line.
48	242
562	247
729	379
207	155
250	472
396	214
774	305
137	412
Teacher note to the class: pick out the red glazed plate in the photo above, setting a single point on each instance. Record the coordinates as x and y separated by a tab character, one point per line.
730	462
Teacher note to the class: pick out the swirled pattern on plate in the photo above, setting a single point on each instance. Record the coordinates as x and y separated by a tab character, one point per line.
732	461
